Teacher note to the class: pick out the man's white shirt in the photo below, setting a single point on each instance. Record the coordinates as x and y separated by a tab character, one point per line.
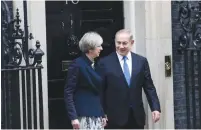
128	61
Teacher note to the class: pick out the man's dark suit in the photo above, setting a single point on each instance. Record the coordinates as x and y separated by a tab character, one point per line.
118	97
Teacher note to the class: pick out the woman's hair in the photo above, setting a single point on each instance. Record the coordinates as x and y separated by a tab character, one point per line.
90	41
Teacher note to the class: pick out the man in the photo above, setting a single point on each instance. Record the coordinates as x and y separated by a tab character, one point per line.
124	75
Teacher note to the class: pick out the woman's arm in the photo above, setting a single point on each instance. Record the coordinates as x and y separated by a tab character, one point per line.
70	86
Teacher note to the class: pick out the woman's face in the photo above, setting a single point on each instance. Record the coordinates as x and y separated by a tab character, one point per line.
96	51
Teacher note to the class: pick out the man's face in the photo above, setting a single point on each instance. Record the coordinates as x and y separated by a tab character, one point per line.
123	43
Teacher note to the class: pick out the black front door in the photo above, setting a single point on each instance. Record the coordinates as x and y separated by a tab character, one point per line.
66	23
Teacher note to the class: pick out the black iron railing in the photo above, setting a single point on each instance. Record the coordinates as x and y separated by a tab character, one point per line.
190	48
21	75
22	102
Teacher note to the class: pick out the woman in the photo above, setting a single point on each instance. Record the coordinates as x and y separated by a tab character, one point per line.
82	89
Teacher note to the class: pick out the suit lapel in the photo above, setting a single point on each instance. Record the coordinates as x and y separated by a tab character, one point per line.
134	67
89	73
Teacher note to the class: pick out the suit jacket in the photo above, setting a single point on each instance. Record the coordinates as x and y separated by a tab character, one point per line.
82	90
118	97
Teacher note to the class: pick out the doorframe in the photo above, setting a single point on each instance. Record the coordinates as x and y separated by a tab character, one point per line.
134	19
147	20
36	12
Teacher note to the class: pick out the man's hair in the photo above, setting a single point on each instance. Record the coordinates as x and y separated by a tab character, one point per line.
124	31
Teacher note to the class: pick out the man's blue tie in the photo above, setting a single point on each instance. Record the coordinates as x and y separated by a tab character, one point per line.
126	70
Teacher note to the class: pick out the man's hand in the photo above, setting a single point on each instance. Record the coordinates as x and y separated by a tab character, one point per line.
106	117
75	123
155	116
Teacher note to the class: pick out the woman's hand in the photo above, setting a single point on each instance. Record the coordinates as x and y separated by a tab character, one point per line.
75	123
104	121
